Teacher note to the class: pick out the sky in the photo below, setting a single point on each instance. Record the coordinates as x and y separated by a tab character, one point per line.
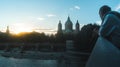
44	15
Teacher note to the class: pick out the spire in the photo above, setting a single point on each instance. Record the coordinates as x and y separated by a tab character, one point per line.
68	18
59	27
7	30
68	25
77	22
77	26
59	21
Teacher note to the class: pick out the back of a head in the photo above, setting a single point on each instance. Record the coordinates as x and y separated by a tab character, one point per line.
104	10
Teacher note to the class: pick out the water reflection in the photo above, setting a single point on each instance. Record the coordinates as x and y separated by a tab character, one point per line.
12	62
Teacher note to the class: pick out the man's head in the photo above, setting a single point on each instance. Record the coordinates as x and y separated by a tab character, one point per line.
103	10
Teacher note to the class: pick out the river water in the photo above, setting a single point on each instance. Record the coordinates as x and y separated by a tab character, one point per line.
13	62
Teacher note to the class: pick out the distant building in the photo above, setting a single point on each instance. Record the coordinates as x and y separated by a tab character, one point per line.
59	27
68	27
7	30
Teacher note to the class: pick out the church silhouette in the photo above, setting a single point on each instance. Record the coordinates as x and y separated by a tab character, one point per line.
68	27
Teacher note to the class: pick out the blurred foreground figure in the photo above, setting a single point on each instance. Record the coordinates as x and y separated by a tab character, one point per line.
110	27
105	52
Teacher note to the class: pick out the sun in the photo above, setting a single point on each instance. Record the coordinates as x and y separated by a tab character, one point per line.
17	28
21	27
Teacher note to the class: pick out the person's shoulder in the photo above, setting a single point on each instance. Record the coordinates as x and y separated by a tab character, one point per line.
112	12
109	15
113	17
115	13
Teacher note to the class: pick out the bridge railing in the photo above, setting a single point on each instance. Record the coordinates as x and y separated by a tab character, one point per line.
104	54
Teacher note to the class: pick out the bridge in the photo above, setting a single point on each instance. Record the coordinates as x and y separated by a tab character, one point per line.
104	54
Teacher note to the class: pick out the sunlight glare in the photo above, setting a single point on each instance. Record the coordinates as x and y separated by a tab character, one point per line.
21	27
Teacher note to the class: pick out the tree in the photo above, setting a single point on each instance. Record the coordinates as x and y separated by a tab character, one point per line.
86	37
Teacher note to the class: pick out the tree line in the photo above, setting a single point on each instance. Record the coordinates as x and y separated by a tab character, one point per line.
84	40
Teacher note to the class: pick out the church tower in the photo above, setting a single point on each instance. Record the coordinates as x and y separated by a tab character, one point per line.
59	27
68	26
7	30
77	27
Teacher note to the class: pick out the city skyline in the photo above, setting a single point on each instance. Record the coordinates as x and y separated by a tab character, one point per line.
44	15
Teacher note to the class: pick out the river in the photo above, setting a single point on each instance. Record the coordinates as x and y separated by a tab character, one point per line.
13	62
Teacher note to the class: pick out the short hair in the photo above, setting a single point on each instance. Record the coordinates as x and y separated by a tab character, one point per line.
104	9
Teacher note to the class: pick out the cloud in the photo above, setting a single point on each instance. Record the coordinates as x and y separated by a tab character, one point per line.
117	8
40	18
75	8
98	22
51	15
